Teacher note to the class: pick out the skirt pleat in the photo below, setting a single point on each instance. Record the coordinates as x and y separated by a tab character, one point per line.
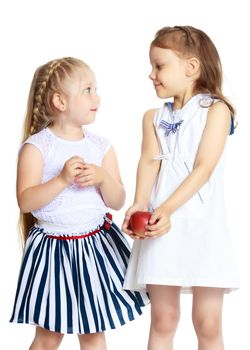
76	285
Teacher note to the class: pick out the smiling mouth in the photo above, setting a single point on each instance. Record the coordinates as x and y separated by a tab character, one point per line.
93	110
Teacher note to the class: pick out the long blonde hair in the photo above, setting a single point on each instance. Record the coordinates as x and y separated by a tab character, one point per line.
187	41
47	80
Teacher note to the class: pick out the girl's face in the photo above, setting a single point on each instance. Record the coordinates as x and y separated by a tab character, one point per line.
82	99
168	73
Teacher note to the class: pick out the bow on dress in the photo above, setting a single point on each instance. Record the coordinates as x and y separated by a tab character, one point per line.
171	127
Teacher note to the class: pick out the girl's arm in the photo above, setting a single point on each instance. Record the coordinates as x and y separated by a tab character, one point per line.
147	170
107	178
31	194
112	189
209	152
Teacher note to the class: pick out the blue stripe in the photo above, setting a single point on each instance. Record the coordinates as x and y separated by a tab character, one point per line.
36	258
112	262
41	287
80	300
66	249
107	280
139	299
47	312
100	261
119	239
89	291
21	275
125	303
103	327
75	275
137	302
57	291
67	292
120	246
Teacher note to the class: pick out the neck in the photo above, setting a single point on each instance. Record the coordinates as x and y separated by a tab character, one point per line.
67	132
182	99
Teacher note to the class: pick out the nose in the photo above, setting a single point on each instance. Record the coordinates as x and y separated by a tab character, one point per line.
97	98
152	75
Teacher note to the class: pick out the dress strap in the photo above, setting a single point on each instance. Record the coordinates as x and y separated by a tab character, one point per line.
232	126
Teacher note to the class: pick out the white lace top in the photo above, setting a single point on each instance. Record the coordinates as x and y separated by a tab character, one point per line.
75	209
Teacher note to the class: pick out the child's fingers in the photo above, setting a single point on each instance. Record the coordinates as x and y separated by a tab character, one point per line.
128	214
156	224
88	166
151	228
83	177
151	233
154	218
130	233
86	182
77	165
77	173
126	222
155	235
125	226
76	159
127	219
157	230
88	172
137	237
79	178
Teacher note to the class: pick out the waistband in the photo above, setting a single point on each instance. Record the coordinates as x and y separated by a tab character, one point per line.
106	225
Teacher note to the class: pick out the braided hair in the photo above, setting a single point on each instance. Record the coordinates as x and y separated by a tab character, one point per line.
48	79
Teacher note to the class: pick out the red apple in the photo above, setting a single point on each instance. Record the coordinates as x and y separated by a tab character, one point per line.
138	221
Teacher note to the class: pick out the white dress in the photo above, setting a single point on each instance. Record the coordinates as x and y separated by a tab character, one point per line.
197	250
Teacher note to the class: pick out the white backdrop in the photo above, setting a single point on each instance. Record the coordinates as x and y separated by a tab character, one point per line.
113	38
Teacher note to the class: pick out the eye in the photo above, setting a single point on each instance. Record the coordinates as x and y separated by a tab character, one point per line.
87	90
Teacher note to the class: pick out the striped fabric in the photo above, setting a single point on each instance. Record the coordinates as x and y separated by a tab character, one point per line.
75	286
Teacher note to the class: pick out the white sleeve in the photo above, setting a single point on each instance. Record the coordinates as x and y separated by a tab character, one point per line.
41	140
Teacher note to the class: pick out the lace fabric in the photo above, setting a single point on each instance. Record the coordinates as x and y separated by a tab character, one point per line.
74	205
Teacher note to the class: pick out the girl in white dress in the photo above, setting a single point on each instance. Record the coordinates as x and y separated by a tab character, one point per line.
72	273
180	179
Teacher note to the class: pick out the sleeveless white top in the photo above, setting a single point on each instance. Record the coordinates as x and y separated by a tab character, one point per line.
197	250
75	209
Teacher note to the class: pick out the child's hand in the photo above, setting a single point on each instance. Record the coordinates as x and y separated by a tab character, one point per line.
91	175
159	223
125	226
72	168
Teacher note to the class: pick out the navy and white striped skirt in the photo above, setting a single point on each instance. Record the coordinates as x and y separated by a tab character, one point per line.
76	285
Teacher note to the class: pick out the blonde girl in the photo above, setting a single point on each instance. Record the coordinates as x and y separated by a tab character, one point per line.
75	256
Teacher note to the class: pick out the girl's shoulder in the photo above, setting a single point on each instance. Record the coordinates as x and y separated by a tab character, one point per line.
42	140
160	113
149	116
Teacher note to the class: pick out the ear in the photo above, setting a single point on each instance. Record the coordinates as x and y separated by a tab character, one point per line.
59	102
192	66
